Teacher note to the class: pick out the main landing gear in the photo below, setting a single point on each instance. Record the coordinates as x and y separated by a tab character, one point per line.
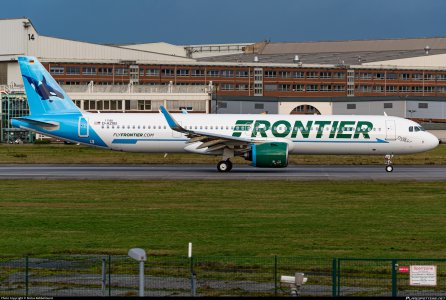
224	166
389	164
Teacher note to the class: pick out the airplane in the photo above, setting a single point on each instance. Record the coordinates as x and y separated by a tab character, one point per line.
265	140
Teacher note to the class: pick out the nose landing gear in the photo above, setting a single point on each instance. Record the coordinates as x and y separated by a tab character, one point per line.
389	164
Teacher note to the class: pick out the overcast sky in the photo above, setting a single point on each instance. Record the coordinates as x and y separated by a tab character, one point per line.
230	21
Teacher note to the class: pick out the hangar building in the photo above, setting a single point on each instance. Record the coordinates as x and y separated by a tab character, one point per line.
402	77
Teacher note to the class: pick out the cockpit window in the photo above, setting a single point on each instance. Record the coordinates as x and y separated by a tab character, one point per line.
417	128
411	129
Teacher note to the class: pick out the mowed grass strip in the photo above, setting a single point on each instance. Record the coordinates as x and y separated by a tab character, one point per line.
249	218
73	154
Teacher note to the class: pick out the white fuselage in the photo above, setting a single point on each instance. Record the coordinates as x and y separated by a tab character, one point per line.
340	134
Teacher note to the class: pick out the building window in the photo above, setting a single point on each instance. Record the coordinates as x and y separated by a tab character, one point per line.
298	87
73	70
339	88
144	105
152	72
270	74
312	74
391	89
364	88
365	76
417	89
197	73
404	89
429	77
241	73
378	89
441	89
299	74
429	89
441	76
312	88
227	73
241	87
57	70
213	73
167	72
305	110
285	74
226	86
405	76
105	71
121	71
89	71
222	105
379	76
392	76
325	88
388	105
417	76
285	87
423	105
351	106
338	75
325	75
259	106
182	72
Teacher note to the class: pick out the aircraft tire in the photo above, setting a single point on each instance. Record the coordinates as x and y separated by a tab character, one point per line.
389	168
224	166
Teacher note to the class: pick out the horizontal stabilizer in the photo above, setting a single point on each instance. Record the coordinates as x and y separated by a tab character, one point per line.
45	124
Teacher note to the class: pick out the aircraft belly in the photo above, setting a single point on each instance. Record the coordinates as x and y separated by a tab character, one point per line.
152	147
341	148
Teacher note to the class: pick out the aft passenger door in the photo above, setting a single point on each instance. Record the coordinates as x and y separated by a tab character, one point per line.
83	127
390	130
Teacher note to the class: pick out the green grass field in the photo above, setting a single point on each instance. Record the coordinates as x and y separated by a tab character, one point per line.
60	153
318	219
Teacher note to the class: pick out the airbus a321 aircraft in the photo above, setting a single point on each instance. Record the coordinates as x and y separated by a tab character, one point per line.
265	140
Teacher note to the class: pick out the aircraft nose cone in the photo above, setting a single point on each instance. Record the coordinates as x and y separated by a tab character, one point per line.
432	141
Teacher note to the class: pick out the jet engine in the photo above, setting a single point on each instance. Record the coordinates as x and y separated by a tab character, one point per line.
268	155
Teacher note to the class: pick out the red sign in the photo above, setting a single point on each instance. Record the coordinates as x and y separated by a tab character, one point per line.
403	269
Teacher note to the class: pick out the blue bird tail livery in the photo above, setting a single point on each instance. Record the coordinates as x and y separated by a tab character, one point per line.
265	140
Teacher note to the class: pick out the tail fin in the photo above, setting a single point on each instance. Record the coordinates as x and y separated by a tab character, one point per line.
44	95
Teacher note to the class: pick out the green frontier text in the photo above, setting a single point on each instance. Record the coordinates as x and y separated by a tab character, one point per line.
282	129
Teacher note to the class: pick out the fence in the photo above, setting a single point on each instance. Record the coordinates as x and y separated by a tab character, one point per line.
76	275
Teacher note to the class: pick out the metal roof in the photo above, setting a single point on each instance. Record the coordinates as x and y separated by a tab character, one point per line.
338	52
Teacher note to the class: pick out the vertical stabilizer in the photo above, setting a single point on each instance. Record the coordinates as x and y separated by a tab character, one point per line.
44	95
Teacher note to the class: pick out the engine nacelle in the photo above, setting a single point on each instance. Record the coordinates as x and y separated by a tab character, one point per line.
268	155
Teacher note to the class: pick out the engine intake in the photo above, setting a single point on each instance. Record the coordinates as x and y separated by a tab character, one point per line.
268	155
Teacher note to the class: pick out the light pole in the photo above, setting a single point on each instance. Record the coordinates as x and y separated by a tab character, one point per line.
411	111
139	254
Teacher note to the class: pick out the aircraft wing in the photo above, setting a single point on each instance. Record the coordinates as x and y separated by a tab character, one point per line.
210	140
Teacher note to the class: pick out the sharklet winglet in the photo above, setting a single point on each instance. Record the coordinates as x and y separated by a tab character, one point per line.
173	124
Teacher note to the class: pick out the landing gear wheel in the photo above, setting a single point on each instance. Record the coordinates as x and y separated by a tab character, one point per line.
224	166
389	164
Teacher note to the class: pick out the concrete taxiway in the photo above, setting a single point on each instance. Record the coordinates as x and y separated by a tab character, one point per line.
209	172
